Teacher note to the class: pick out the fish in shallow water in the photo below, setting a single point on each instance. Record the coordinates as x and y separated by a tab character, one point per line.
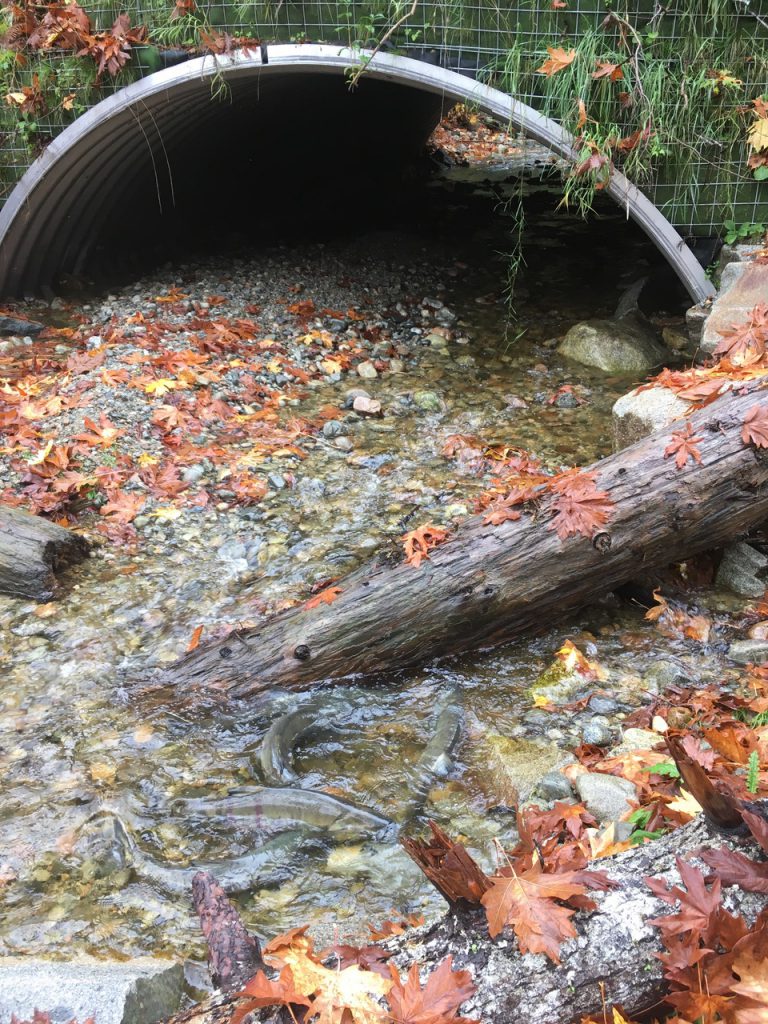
319	810
320	713
107	845
437	758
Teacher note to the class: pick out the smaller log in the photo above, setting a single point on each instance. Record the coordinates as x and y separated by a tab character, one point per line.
234	954
32	551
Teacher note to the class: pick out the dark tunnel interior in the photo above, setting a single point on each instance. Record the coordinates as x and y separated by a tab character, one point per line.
220	165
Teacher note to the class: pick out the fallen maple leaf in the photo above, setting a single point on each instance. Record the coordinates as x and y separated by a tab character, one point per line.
102	435
337	995
526	902
698	904
557	60
683	446
605	69
194	639
123	506
755	429
418	543
578	505
437	1002
327	596
260	991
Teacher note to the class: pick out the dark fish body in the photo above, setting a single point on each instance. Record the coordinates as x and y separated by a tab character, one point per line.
436	761
319	810
320	713
105	840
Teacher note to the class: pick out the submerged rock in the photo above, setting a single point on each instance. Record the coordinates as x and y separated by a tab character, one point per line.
16	325
748	652
665	673
429	401
615	346
508	770
109	991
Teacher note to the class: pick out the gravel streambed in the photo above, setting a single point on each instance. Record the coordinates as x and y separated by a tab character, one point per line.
232	433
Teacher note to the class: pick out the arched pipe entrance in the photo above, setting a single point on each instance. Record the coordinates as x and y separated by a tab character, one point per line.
59	205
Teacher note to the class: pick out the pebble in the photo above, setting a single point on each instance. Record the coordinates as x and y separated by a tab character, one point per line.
603	705
554	786
597	733
334	428
366	406
608	797
428	401
367	370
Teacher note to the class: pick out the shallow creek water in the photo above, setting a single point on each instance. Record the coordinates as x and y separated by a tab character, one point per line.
76	738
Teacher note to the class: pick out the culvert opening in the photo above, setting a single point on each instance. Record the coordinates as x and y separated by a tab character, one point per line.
314	163
161	170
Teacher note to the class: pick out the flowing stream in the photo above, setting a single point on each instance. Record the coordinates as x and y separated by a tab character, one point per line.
100	779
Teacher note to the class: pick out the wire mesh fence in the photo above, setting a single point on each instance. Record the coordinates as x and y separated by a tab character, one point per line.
671	54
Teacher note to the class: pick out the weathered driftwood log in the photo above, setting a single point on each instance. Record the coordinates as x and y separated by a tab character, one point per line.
488	584
32	550
615	945
234	955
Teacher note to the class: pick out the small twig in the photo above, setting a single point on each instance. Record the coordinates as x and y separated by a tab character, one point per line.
408	14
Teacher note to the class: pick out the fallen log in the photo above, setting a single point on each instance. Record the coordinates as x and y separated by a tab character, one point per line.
32	551
612	957
234	955
488	584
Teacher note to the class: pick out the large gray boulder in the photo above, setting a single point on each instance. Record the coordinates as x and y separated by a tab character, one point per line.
744	570
139	991
742	287
640	413
623	346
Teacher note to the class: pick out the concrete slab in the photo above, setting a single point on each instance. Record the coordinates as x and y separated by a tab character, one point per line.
746	285
139	991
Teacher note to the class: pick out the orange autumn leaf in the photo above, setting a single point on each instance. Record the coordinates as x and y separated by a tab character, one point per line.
526	902
557	60
607	70
418	543
436	1002
194	639
755	429
261	991
578	505
684	446
327	596
104	434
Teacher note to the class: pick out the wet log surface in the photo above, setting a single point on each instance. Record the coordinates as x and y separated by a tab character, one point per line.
32	551
234	956
489	584
615	945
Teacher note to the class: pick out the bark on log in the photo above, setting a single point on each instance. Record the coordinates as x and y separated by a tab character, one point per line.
489	584
32	550
234	955
615	945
